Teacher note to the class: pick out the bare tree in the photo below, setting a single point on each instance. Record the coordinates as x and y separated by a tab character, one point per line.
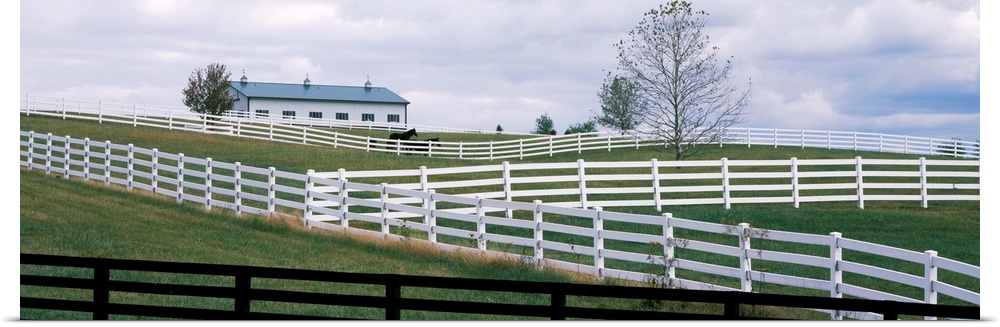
688	97
207	91
621	106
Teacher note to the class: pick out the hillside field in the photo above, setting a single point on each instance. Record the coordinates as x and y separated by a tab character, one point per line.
69	221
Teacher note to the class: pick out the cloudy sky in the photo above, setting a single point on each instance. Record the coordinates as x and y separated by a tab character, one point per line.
890	66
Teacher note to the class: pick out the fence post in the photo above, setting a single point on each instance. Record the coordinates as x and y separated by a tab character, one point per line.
860	180
342	176
520	143
744	234
241	301
64	108
66	148
507	187
609	141
270	190
238	175
393	292
31	149
107	163
668	250
879	142
480	225
829	140
582	183
537	217
344	208
579	143
270	131
748	137
802	138
423	178
491	150
48	153
86	158
906	144
383	198
725	183
599	243
307	210
208	184
775	138
335	134
305	135
155	169
460	150
795	182
430	220
923	182
836	275
135	119
102	275
655	170
180	178
128	172
855	140
550	146
930	276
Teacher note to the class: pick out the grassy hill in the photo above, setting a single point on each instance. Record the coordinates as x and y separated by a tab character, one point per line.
72	218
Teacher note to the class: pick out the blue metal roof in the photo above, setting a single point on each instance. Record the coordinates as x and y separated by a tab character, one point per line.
317	92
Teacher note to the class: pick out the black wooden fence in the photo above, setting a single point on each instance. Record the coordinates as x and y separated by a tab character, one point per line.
393	302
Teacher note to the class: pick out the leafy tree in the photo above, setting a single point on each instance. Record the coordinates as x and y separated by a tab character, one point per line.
589	126
621	106
499	129
207	91
544	125
688	97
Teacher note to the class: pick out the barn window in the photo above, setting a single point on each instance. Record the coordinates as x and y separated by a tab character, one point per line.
288	113
316	114
392	118
342	116
367	117
261	113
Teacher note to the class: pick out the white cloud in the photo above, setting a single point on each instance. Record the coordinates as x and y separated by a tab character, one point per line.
294	70
821	64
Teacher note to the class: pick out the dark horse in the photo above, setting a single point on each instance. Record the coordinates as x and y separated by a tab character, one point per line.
402	136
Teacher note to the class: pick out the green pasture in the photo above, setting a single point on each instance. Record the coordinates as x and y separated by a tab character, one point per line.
951	228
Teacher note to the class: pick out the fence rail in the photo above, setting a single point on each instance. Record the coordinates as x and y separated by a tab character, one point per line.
394	302
725	182
321	132
602	243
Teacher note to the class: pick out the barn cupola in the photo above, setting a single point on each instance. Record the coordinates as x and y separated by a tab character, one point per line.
306	81
243	80
368	83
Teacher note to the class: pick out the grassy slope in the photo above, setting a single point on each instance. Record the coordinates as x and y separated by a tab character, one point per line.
952	229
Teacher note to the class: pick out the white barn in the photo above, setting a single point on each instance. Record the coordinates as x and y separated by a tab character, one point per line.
307	101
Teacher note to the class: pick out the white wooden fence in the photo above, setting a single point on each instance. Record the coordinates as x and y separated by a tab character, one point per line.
724	182
305	131
602	243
